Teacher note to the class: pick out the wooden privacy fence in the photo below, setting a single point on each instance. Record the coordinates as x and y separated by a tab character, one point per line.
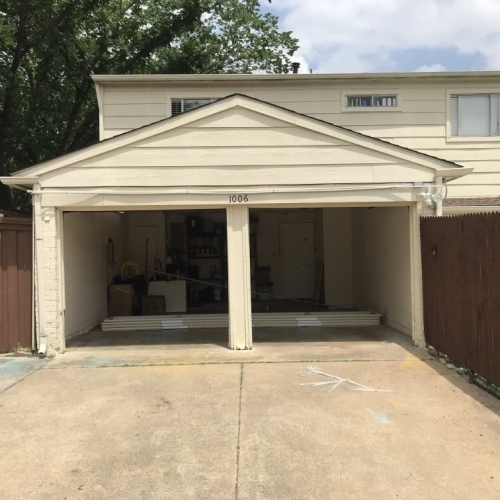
461	287
15	282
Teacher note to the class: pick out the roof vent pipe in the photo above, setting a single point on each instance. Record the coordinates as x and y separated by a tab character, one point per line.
295	67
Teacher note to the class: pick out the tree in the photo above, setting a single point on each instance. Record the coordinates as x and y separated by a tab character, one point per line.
49	48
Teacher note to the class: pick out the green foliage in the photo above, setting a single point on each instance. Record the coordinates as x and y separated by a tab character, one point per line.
49	48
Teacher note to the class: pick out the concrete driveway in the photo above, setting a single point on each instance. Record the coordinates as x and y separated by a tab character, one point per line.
206	423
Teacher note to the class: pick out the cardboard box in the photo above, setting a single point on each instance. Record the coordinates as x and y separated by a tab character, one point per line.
153	304
120	300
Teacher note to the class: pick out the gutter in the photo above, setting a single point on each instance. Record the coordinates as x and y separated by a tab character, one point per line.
293	78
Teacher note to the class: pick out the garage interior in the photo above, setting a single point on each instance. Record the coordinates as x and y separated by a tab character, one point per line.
143	271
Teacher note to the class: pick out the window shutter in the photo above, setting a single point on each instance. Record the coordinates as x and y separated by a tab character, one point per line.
474	115
495	114
455	113
176	107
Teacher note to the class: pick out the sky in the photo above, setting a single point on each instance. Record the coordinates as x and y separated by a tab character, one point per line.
344	36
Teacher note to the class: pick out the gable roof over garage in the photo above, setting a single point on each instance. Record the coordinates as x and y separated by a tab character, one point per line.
238	140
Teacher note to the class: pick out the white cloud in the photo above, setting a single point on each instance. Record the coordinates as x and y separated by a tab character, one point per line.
431	67
364	35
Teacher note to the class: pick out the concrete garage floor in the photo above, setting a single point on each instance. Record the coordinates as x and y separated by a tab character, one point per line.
207	425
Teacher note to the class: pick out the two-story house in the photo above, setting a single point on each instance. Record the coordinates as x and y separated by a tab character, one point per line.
251	200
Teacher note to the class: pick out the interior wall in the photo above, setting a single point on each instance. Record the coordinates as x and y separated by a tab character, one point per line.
135	253
337	235
381	264
84	271
114	226
269	247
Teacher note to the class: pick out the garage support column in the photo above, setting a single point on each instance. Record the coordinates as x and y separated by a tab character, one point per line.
240	290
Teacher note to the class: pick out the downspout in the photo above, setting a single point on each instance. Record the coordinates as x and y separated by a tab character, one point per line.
438	210
40	285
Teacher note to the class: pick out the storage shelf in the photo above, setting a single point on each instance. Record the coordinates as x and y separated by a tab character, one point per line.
205	235
206	257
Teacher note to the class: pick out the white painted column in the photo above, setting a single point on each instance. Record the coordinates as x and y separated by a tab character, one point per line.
47	294
39	277
240	305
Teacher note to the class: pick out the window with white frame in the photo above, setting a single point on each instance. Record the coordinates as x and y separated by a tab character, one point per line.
372	101
182	105
475	115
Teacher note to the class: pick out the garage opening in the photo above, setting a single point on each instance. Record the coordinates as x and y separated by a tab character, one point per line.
329	267
162	276
144	271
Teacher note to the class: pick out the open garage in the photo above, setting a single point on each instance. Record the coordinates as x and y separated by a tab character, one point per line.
236	215
167	270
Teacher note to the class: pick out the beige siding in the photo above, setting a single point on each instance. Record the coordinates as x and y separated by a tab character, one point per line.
389	132
419	123
255	175
142	109
128	122
242	155
394	119
135	97
237	147
256	137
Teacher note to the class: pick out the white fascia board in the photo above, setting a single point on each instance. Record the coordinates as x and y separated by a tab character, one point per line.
294	77
19	181
455	173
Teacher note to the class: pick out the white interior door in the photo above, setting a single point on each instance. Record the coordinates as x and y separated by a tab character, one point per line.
297	246
144	247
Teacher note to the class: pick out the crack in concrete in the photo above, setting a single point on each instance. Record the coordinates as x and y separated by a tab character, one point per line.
236	485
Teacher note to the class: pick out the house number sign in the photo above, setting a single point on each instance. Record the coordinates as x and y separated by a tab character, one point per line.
238	198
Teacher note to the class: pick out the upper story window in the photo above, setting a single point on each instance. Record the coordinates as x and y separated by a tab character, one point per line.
182	105
475	115
372	101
